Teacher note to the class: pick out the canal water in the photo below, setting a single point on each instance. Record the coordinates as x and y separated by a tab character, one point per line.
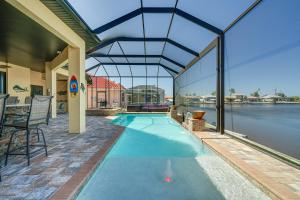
274	125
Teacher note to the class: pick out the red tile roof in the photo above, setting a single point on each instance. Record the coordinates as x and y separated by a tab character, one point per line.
102	83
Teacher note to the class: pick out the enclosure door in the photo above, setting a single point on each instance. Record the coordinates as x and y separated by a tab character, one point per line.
101	99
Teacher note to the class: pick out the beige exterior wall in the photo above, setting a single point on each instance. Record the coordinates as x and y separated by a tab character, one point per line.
37	11
36	78
23	77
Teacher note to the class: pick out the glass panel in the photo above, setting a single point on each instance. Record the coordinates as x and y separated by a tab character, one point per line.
192	35
136	48
159	3
196	88
219	13
99	12
157	25
130	28
262	76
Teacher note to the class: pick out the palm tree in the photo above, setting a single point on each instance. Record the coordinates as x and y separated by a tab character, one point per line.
231	91
256	93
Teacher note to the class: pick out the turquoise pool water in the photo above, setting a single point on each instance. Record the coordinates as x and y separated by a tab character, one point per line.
155	158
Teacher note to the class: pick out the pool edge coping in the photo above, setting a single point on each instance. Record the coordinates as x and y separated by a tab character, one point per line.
70	189
274	190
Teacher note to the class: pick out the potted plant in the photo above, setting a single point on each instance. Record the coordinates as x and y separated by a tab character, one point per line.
198	114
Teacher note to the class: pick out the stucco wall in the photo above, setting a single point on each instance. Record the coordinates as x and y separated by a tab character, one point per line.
36	78
22	77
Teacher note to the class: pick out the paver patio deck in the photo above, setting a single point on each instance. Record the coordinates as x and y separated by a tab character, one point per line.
281	180
67	153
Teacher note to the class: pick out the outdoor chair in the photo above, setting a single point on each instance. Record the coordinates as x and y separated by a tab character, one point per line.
38	114
3	99
12	100
28	100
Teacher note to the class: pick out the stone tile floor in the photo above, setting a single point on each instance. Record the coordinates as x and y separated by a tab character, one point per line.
278	177
66	154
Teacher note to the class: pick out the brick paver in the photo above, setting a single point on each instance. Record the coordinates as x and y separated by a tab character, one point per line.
67	154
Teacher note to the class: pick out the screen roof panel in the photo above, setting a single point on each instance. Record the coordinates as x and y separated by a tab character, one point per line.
159	3
111	70
177	54
152	70
90	62
99	12
131	48
190	34
154	47
124	70
219	13
130	28
157	25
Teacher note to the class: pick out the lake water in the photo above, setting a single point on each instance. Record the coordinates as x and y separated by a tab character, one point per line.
274	125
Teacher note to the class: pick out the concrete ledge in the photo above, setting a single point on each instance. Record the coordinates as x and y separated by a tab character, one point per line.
277	190
103	112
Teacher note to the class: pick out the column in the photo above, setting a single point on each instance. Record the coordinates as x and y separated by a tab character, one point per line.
51	86
77	103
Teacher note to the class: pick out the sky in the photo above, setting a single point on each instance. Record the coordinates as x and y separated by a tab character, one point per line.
261	51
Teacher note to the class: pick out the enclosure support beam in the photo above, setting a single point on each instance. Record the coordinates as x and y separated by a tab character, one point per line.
134	39
220	85
172	70
173	91
162	10
136	56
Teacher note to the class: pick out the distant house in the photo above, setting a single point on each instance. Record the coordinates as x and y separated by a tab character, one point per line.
253	99
169	100
271	98
236	97
103	92
142	94
209	98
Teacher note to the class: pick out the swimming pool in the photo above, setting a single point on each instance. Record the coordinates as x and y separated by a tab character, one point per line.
155	158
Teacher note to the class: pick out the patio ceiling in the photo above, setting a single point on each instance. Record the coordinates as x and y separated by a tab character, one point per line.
143	33
24	42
